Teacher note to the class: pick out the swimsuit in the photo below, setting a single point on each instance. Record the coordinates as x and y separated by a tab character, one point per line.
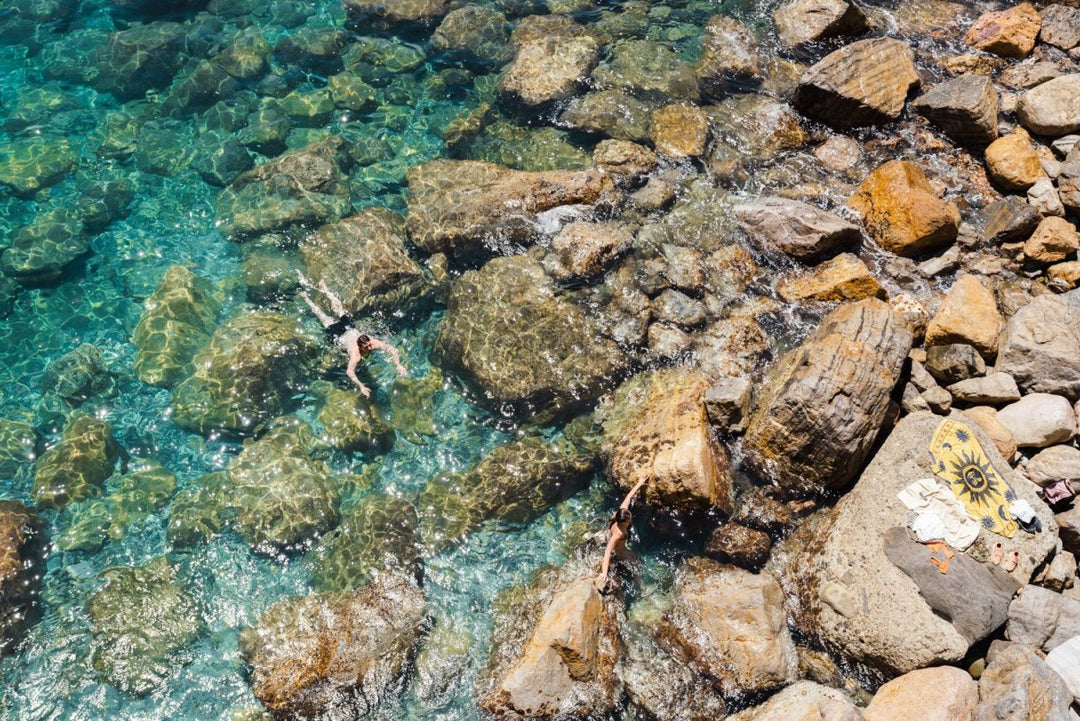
339	327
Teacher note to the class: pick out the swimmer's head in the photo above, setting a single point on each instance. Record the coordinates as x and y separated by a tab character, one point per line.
622	516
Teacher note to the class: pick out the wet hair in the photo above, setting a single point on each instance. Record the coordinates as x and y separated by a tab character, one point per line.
362	340
622	515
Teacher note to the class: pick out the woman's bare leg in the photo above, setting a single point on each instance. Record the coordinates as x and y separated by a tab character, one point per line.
335	301
326	320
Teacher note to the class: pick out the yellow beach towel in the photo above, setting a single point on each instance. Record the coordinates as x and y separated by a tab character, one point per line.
960	461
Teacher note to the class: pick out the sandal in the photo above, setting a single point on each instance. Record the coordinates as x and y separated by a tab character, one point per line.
1012	561
997	553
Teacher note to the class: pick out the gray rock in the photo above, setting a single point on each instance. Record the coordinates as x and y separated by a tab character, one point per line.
802	231
965	108
1043	619
1018	685
938	399
475	34
613	113
1007	220
1052	464
1065	661
806	21
678	309
1052	108
994	389
729	58
1039	420
1043	196
1061	26
649	70
913	401
1069	529
815	424
728	404
1069	186
954	362
1040	346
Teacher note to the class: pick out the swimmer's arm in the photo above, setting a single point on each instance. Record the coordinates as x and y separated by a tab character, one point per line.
614	534
633	492
326	320
350	370
391	351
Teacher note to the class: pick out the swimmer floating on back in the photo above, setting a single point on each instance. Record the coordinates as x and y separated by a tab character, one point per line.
343	332
618	531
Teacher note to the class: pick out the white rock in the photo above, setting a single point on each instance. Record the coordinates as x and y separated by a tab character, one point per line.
1065	659
1039	420
1052	464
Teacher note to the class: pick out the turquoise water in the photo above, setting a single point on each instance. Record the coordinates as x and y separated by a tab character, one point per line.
98	299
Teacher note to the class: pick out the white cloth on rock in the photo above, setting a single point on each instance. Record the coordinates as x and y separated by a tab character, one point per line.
930	495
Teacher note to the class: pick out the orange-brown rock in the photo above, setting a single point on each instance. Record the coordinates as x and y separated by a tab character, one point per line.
554	57
944	693
657	428
902	212
680	130
824	402
968	314
588	249
1010	33
22	566
985	418
844	277
1053	241
1013	163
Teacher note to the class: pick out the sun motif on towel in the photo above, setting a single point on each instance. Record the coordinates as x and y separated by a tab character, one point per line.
959	460
977	479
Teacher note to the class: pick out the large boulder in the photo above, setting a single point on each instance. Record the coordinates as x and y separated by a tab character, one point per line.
862	587
248	373
648	70
1018	685
824	403
657	428
1040	345
461	206
178	319
365	261
945	693
139	619
965	108
731	624
554	58
864	83
77	466
801	230
324	655
22	566
803	701
968	315
1043	619
1052	108
305	187
902	212
39	252
474	34
137	59
514	483
522	346
805	21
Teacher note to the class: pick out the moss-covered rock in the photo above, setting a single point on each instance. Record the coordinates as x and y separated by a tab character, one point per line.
77	376
200	511
28	165
76	467
351	422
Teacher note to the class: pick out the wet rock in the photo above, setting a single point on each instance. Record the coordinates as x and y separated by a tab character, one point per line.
1039	420
18	446
968	314
1009	33
729	57
440	663
864	83
844	277
739	545
935	694
1052	108
309	108
178	318
839	379
1028	75
657	428
727	403
343	653
464	206
248	373
77	376
839	153
1007	220
902	212
378	536
1012	162
365	14
678	309
22	566
649	70
220	158
954	362
1017	684
1052	464
753	126
1043	619
525	348
994	389
282	498
30	164
138	59
554	57
513	484
730	347
206	84
861	602
244	57
77	466
474	34
759	510
1040	345
731	624
803	700
265	130
965	108
613	113
140	619
200	511
315	48
800	230
306	186
364	259
1069	186
1053	241
350	92
585	250
1061	26
41	251
680	130
805	21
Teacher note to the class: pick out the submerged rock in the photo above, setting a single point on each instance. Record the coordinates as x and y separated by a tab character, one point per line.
77	466
364	14
839	379
350	421
88	524
140	618
40	252
200	511
22	566
513	484
729	57
613	113
475	34
801	230
78	376
585	250
520	344
648	70
248	373
554	57
37	162
144	56
18	447
334	654
178	318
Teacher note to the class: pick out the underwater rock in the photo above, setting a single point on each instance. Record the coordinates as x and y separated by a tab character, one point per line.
412	405
163	147
306	186
365	260
314	48
28	165
1040	346
824	403
40	252
244	56
248	373
178	318
1018	684
140	58
613	113
750	127
554	57
585	250
78	376
22	566
648	70
377	536
731	624
219	158
309	108
444	658
381	15
624	161
200	511
140	618
349	91
527	148
902	212
206	84
116	135
850	596
523	347
334	654
1052	108
77	466
798	229
103	201
680	130
350	421
474	34
18	446
965	108
657	428
864	83
513	484
265	131
806	21
462	206
88	524
282	498
1009	33
729	58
